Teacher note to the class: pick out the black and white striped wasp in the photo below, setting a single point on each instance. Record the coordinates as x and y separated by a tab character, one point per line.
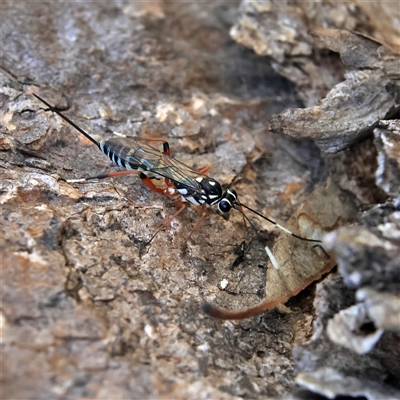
139	157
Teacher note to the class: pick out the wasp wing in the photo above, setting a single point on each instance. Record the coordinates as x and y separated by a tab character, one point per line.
138	154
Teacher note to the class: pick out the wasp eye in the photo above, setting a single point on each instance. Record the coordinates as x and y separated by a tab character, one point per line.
224	206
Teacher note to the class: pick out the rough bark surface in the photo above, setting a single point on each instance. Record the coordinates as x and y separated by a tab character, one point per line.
88	309
354	349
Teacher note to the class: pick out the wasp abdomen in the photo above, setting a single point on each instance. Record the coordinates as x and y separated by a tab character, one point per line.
121	155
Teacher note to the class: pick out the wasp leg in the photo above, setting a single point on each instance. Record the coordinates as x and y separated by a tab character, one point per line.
241	210
166	148
149	183
204	170
198	223
103	176
170	184
169	220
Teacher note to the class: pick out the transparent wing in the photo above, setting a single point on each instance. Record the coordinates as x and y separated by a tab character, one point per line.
139	154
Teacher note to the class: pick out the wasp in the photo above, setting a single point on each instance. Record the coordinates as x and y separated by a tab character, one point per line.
136	156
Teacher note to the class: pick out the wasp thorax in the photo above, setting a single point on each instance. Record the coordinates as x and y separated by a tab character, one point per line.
228	200
211	188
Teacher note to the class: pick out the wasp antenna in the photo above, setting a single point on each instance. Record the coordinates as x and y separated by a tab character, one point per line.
68	120
277	225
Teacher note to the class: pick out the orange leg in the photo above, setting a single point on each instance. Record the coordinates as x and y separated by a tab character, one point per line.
115	173
198	223
169	183
166	149
203	170
146	180
104	176
149	183
169	220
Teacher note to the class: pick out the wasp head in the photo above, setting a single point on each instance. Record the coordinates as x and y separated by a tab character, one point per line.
227	201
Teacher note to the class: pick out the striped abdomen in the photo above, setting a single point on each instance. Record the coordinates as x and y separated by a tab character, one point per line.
128	154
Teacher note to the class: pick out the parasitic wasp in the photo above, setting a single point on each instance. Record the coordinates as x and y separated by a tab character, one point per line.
183	183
